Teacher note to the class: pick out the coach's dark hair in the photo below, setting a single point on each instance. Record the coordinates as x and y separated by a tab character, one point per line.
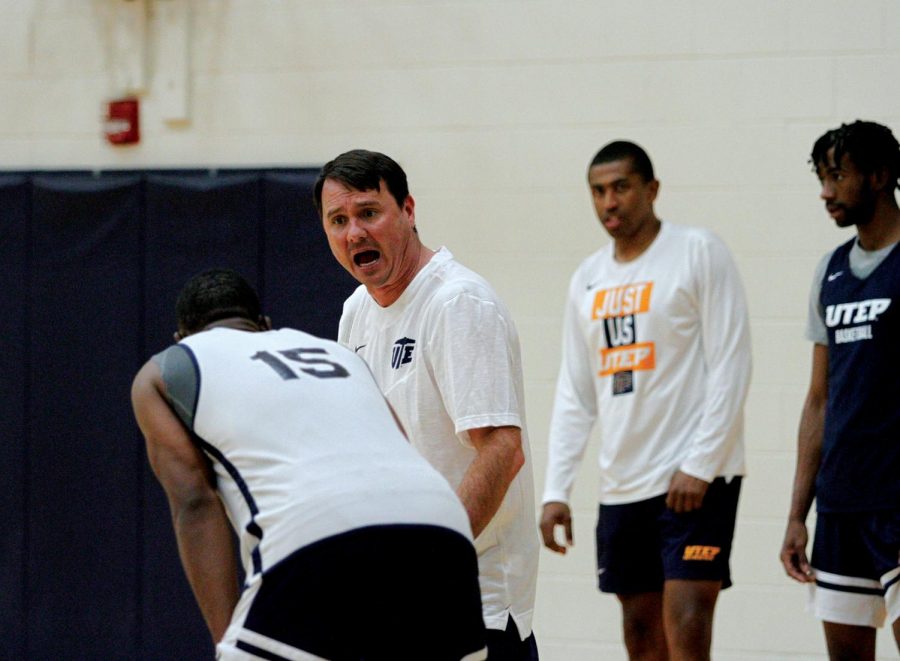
622	149
363	170
869	145
213	295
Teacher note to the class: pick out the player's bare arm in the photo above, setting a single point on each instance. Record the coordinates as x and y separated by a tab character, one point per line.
556	514
201	525
809	453
499	459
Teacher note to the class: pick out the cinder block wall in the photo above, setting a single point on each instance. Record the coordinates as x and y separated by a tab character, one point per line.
495	107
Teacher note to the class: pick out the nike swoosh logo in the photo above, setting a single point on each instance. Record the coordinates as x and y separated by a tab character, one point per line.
356	350
835	276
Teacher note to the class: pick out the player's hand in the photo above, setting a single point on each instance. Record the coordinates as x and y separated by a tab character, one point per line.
793	553
556	514
686	493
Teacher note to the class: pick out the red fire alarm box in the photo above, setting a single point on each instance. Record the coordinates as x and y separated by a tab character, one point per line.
121	124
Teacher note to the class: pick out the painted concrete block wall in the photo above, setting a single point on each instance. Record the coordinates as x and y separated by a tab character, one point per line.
495	107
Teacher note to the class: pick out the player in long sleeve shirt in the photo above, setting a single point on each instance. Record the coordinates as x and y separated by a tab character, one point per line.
656	347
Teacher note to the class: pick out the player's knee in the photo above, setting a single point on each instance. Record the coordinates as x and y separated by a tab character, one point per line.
689	625
690	604
640	628
690	613
644	636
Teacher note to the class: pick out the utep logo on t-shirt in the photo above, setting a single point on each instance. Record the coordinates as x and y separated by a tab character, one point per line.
858	312
703	553
617	307
402	352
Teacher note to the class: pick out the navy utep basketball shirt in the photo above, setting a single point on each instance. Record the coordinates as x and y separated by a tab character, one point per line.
860	468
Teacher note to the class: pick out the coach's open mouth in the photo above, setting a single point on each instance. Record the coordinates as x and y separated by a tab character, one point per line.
366	257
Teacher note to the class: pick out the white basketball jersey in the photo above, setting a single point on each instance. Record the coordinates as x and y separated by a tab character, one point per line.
302	441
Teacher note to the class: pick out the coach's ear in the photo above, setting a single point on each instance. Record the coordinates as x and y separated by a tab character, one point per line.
177	336
265	322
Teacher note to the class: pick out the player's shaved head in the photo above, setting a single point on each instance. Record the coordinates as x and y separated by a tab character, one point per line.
623	150
214	295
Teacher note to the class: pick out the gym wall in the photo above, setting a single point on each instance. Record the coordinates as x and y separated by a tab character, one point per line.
495	108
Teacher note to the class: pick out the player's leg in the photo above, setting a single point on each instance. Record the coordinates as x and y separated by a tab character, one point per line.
696	553
849	642
688	615
642	626
629	566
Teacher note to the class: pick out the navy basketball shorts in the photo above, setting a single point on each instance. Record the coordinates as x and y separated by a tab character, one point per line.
380	593
856	560
641	545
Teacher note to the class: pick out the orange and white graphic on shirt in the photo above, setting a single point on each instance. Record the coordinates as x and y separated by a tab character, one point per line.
622	301
617	308
628	358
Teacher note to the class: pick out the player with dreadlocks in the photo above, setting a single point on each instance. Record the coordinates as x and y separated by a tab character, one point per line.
849	439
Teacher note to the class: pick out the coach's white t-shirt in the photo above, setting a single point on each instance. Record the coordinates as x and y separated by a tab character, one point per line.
446	354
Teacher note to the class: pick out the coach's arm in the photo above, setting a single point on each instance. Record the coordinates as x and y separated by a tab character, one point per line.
201	525
499	458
